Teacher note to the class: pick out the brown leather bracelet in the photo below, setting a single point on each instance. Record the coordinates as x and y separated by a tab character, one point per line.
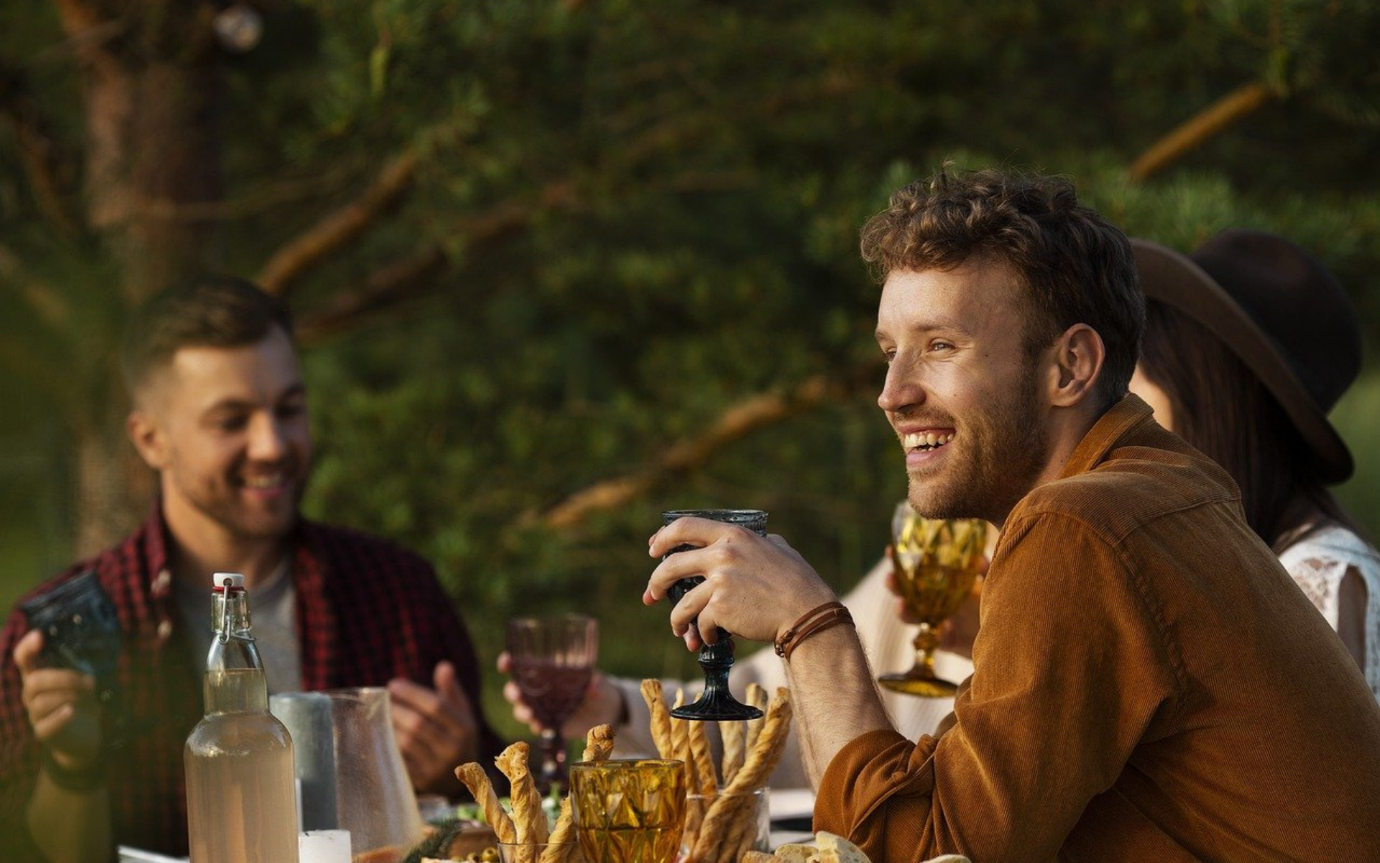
813	621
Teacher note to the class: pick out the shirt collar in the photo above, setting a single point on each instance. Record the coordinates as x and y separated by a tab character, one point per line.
1109	429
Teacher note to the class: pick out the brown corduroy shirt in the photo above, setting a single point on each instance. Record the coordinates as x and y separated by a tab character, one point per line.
1149	685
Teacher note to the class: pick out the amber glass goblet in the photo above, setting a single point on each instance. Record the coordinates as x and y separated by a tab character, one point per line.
936	562
629	811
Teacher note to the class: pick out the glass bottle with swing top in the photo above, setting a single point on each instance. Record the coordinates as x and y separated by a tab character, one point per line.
241	796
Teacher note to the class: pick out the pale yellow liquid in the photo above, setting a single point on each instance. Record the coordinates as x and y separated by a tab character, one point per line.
241	798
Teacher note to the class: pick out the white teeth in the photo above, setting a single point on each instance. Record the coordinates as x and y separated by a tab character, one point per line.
926	439
264	481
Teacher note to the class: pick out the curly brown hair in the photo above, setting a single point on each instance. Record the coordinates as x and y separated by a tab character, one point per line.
1078	267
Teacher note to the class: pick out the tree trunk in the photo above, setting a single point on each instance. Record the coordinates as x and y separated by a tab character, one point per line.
152	84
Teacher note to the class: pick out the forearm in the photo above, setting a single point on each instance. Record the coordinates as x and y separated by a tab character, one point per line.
834	696
69	826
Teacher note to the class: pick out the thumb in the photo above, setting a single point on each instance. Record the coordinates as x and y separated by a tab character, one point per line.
447	683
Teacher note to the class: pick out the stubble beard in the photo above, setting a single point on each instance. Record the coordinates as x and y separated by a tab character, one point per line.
1005	450
223	506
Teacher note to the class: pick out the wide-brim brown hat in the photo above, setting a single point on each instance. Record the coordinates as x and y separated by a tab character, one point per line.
1281	312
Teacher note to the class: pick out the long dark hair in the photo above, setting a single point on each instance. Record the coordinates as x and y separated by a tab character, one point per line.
1222	409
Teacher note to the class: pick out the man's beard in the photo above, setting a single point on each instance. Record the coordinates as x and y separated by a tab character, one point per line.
1005	448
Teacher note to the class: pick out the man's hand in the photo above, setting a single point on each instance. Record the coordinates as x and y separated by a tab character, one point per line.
62	706
754	586
603	703
436	729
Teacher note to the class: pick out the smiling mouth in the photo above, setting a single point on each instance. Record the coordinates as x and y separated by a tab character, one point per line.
274	480
926	441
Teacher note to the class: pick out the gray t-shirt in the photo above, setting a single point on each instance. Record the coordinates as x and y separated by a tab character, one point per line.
272	610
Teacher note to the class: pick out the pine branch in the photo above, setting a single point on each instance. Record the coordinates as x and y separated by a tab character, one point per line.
385	288
406	278
752	414
298	256
1194	132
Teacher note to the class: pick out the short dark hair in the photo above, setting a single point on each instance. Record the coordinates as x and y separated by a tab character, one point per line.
213	311
1077	266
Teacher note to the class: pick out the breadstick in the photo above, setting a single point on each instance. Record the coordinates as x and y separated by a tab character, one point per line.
661	717
734	736
756	768
598	743
708	783
757	697
563	834
477	781
695	806
763	757
528	817
743	834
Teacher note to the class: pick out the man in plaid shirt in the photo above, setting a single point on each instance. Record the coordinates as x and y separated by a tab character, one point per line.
220	413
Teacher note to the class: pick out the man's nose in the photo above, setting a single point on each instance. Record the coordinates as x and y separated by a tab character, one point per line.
266	439
901	389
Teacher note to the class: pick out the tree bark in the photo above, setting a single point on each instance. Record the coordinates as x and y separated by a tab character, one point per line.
151	84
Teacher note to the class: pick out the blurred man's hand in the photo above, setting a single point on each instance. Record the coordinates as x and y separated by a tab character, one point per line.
603	703
436	728
62	706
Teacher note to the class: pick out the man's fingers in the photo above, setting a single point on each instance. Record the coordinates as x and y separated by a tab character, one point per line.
27	650
504	662
50	725
405	693
415	730
447	681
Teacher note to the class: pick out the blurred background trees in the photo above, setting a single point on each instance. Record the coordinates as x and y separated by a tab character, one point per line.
559	265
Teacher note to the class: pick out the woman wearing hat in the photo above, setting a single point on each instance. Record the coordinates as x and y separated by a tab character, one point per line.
1249	342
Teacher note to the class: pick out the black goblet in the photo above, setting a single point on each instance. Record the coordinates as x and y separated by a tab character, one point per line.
716	702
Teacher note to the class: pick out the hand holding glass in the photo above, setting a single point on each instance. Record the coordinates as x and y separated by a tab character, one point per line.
716	702
935	562
552	663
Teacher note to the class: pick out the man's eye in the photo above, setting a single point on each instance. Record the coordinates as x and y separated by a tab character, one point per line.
230	423
941	345
291	410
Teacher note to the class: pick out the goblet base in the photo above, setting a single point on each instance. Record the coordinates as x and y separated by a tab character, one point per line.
915	684
716	706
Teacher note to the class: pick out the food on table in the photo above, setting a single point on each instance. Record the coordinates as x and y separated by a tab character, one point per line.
721	824
525	822
828	848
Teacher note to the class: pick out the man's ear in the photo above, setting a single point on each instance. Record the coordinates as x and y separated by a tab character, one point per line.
1077	361
148	437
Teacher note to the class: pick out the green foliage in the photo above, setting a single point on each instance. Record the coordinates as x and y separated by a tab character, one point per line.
649	213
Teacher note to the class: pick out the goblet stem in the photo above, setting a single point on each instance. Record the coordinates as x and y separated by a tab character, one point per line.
552	761
926	640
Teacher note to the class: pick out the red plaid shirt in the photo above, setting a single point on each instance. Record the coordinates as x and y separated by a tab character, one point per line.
367	610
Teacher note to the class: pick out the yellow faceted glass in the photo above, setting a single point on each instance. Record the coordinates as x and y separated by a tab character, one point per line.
629	811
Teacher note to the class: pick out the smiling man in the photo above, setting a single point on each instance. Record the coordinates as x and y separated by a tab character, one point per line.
1148	683
220	412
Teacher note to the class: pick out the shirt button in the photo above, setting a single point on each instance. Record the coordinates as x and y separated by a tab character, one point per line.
164	630
162	582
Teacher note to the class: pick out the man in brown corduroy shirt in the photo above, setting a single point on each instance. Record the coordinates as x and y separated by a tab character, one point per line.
1149	684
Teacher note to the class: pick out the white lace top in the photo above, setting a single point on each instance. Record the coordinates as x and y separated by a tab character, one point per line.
1318	561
